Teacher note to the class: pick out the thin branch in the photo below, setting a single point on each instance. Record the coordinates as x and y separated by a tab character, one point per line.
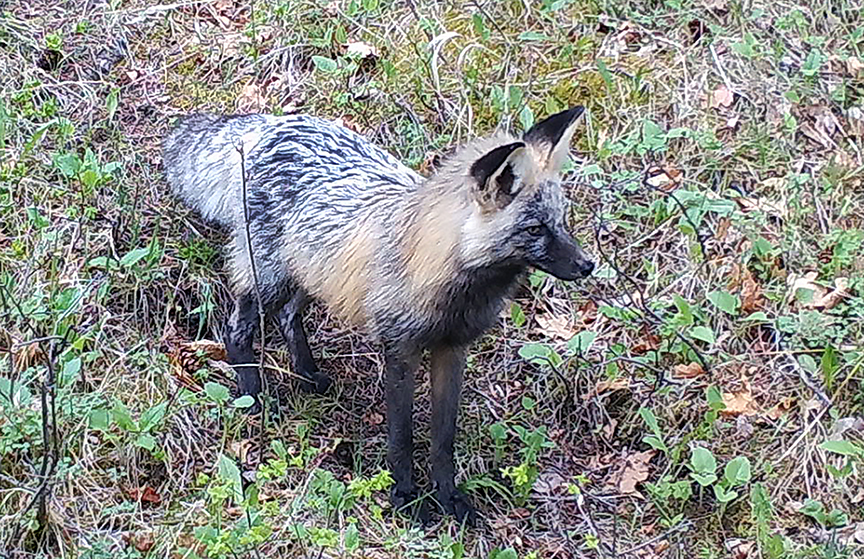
641	303
261	314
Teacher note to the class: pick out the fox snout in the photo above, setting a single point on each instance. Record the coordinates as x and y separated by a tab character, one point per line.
566	260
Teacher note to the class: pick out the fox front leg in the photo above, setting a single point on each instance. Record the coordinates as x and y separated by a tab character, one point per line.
447	366
400	366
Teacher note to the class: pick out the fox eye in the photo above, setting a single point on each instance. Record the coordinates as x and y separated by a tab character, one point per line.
535	230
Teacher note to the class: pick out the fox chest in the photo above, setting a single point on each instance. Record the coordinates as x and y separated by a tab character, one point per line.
469	306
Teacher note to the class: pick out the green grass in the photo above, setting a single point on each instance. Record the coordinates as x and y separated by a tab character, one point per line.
579	434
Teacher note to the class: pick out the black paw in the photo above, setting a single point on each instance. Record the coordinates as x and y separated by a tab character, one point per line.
315	382
409	504
456	503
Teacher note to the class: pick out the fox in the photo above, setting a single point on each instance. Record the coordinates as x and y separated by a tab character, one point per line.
424	264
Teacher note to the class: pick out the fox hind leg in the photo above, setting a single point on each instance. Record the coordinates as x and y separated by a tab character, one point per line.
302	362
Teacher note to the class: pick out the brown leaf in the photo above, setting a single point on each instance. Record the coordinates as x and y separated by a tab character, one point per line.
241	449
751	292
721	97
620	383
664	178
373	418
145	494
723	228
143	541
855	116
588	312
692	370
740	403
346	121
207	349
251	99
634	471
556	326
775	208
648	343
361	49
739	549
780	409
823	298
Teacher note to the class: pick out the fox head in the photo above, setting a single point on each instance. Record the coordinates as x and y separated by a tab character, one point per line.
519	206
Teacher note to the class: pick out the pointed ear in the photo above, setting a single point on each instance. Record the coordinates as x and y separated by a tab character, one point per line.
499	175
551	137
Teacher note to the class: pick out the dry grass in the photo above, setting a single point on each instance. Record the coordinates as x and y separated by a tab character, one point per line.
722	155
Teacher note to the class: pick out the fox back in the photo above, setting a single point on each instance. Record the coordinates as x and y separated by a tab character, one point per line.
426	260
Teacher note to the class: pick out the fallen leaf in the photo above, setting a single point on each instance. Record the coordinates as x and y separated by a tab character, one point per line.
822	297
251	99
373	418
634	471
556	326
775	208
207	349
721	97
741	279
854	65
240	449
740	403
346	121
723	228
692	370
361	49
620	383
649	342
145	494
780	409
588	312
738	548
664	178
855	116
143	541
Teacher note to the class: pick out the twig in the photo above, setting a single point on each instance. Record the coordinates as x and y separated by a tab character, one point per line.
261	315
642	304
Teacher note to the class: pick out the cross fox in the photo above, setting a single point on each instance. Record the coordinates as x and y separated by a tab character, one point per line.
422	263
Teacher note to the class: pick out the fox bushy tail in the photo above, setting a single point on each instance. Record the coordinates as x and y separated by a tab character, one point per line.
203	163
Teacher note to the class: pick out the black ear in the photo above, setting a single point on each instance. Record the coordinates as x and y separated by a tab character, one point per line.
552	135
497	174
484	167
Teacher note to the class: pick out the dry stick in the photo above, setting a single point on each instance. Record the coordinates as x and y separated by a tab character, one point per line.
261	316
